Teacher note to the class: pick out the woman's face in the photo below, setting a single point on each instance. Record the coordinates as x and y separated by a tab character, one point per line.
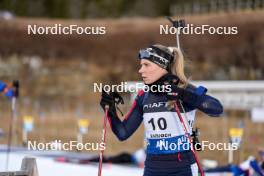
150	72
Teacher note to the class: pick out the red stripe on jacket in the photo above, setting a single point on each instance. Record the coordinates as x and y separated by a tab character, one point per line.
140	93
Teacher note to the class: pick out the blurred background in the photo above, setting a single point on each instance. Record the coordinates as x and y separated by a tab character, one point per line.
57	72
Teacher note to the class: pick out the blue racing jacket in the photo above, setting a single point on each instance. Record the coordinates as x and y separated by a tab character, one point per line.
164	132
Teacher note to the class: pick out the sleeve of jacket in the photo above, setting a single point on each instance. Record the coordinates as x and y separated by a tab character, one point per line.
124	129
197	98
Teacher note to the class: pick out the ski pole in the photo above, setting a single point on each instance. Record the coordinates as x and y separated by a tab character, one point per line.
13	117
178	24
189	138
103	140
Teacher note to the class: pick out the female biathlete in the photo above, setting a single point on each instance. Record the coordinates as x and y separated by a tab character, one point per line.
167	154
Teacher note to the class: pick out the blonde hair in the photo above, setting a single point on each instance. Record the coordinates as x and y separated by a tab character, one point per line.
177	66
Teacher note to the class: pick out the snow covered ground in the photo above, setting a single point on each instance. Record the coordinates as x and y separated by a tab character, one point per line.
47	166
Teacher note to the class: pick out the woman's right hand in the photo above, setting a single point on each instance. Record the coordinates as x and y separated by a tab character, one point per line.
107	100
110	99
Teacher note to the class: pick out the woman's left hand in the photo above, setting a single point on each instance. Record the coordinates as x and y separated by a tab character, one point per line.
176	92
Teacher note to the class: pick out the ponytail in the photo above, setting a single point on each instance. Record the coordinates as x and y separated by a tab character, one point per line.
177	66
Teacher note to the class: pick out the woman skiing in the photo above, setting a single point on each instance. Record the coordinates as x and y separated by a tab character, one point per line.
167	154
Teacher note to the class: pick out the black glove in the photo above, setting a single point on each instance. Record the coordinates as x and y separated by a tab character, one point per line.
176	92
170	79
111	100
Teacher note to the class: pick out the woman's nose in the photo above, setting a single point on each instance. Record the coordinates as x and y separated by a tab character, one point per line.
140	70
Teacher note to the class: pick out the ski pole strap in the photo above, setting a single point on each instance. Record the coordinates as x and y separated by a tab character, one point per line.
118	100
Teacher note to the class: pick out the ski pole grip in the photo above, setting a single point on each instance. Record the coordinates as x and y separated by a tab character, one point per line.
16	87
182	23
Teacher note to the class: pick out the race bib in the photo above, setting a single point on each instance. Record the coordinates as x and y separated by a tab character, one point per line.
165	132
